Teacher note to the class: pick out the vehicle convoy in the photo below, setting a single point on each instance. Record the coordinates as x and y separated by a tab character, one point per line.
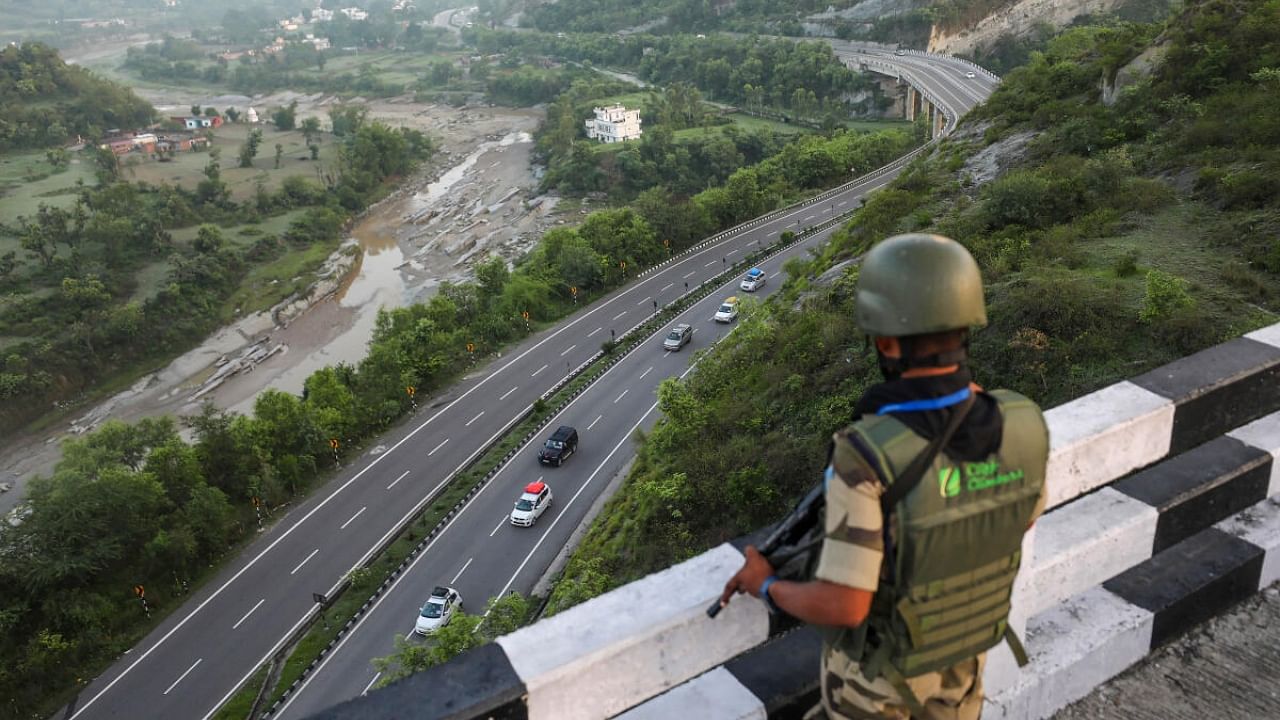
438	610
679	336
728	311
532	503
754	280
562	443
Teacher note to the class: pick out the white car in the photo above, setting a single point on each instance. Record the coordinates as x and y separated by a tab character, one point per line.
971	75
438	610
754	280
728	311
532	503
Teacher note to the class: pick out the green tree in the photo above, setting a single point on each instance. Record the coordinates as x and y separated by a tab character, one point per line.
1166	296
285	117
249	150
279	154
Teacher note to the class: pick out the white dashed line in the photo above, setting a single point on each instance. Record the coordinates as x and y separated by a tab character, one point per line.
502	522
810	218
689	275
505	394
713	262
644	301
593	332
646	372
477	417
353	519
188	672
393	482
307	558
842	203
371	682
624	392
246	615
775	275
464	569
434	449
535	372
731	252
568	350
624	312
593	422
667	286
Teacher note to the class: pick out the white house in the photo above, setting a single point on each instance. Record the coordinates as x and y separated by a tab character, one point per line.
614	124
252	115
354	13
321	15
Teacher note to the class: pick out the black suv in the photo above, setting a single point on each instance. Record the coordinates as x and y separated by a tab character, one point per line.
562	443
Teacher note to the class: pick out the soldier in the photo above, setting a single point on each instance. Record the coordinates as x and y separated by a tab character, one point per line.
928	494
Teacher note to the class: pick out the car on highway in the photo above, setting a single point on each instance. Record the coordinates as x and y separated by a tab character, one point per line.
970	75
899	52
754	280
679	336
534	501
438	610
562	443
728	311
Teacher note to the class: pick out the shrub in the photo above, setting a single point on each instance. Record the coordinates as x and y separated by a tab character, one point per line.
1127	264
1166	296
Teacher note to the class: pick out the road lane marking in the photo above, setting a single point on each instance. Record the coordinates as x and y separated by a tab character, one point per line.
371	682
776	274
188	672
464	569
624	392
313	554
502	522
593	332
646	372
568	350
646	299
255	607
624	312
393	482
713	262
505	394
535	372
842	203
477	417
565	510
434	449
593	422
664	289
689	275
731	252
810	218
353	517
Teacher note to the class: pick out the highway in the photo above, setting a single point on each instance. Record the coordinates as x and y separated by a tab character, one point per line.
203	652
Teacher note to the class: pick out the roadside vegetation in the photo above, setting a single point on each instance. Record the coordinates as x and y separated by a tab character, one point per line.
1120	237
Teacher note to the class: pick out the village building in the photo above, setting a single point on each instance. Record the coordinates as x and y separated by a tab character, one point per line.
251	116
614	124
354	13
321	15
195	122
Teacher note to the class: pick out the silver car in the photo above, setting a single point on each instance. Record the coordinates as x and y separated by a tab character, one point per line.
679	336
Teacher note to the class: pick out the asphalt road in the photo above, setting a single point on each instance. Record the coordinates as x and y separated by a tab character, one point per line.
204	651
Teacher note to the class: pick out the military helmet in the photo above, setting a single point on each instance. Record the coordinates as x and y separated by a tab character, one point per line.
919	283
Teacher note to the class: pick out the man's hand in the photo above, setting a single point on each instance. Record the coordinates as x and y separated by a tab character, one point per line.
749	578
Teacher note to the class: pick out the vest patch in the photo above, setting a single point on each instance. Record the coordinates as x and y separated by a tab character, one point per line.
949	482
980	476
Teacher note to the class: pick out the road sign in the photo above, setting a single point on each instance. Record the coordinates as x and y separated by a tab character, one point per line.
666	243
333	443
409	390
256	501
139	591
573	291
319	598
471	347
525	315
622	264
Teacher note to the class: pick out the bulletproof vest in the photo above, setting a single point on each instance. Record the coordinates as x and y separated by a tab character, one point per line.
945	591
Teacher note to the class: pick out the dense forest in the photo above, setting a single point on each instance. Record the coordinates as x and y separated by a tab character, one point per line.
45	102
1128	233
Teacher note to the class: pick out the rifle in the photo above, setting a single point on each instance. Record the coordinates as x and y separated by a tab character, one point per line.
785	542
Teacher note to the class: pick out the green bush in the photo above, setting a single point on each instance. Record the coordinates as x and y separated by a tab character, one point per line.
1166	295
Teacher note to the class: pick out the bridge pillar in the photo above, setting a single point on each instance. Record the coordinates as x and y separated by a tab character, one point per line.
912	98
938	120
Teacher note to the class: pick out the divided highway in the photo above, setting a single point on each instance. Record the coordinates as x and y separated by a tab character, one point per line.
203	652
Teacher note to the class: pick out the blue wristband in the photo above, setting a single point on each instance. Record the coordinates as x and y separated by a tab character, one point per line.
764	595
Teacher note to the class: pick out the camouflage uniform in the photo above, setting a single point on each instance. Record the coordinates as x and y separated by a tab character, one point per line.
853	556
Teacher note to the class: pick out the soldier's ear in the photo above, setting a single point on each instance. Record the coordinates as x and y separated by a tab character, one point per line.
889	347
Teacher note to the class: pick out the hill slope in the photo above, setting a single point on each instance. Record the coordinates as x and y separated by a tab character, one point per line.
1113	238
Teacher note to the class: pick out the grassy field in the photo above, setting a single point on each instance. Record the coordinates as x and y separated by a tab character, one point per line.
27	179
185	170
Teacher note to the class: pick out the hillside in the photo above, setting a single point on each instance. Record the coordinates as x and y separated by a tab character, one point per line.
45	102
1113	238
